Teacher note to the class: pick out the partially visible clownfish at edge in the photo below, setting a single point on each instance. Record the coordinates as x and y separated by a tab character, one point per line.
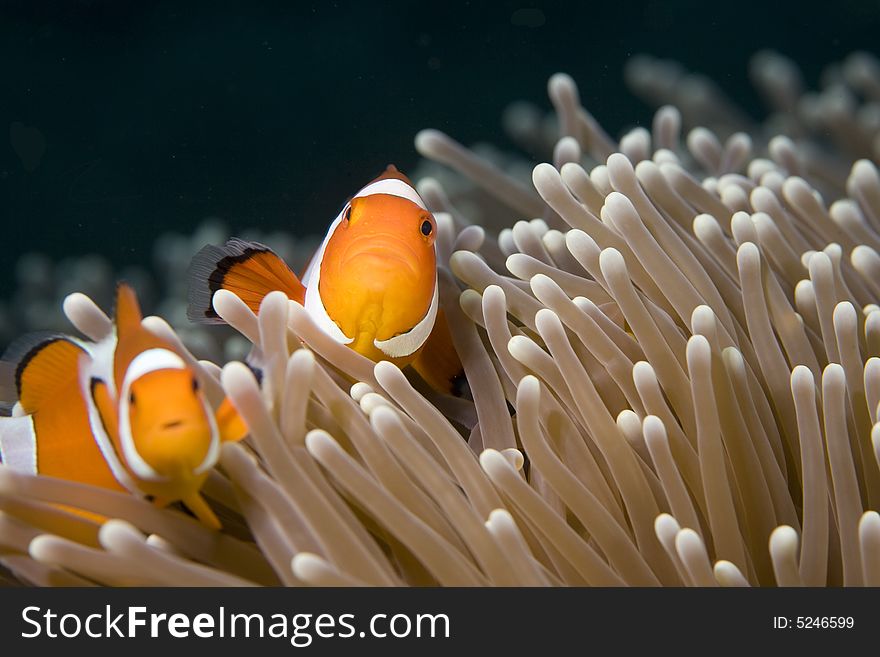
125	413
371	285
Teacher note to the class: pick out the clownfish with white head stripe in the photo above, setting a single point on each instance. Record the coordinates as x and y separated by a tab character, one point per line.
371	285
126	413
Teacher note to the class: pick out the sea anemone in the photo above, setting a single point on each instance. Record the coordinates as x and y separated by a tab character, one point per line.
673	355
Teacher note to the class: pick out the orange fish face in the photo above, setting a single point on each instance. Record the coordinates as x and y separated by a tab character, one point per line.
379	270
170	428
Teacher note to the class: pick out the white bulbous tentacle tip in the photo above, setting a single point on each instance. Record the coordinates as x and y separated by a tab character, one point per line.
371	402
619	203
86	316
783	539
303	357
653	423
359	389
571	169
834	373
875	440
514	457
698	344
500	516
870	520
546	320
236	374
492	460
545	175
277	297
801	376
319	442
116	531
305	565
687	539
665	523
619	166
385	370
429	141
561	84
611	258
42	548
864	172
702	315
747	254
844	315
727	574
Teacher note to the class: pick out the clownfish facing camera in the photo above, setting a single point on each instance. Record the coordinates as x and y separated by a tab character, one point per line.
125	413
372	284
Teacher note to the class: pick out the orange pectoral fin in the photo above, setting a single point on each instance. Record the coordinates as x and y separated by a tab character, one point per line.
438	363
232	427
249	269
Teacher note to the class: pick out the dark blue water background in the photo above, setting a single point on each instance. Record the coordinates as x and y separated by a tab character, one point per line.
122	119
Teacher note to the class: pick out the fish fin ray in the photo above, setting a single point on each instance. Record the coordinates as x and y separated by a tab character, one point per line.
38	366
249	269
197	504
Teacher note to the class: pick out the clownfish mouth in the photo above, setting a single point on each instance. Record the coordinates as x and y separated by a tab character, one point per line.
384	255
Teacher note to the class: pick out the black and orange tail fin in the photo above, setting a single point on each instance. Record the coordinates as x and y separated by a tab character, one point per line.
438	362
39	366
249	269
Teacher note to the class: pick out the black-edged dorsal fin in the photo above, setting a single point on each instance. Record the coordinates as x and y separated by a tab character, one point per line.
37	366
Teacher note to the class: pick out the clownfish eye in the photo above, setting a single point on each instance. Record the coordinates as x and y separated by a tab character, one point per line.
427	227
131	398
346	215
195	384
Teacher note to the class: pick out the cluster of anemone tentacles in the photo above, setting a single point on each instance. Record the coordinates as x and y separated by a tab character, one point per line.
673	354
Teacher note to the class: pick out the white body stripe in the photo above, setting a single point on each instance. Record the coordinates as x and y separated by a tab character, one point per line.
407	343
102	354
150	361
18	443
314	305
101	367
394	187
213	454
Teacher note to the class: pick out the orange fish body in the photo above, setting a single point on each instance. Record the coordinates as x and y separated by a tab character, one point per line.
124	413
371	285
